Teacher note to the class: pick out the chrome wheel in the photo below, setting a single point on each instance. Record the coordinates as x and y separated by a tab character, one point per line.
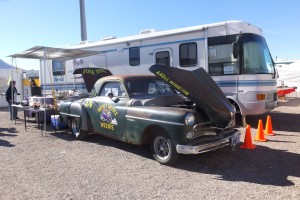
161	147
76	129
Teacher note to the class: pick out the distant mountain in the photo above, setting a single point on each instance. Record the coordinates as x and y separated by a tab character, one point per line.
4	65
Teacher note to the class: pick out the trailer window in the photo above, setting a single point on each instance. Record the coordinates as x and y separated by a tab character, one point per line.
162	58
134	56
58	68
188	54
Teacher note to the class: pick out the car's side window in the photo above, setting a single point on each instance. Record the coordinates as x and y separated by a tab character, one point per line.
152	89
116	89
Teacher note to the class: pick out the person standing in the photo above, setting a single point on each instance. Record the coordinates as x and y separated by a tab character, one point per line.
32	83
10	95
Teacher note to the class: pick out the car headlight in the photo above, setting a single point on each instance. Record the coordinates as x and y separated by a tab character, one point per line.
189	119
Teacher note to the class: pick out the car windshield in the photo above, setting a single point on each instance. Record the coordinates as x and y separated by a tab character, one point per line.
257	58
143	87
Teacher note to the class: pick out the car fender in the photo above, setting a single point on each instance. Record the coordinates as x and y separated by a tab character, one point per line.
141	123
176	133
78	110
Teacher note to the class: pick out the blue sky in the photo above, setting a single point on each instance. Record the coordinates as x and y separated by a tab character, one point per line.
56	23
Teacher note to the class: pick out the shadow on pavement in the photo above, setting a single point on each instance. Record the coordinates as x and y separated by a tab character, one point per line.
143	150
9	130
9	133
262	165
288	122
5	143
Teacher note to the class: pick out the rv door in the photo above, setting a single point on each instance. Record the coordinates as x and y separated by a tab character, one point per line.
163	56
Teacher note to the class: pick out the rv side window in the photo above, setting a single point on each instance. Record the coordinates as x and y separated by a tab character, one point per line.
58	68
162	58
134	56
188	54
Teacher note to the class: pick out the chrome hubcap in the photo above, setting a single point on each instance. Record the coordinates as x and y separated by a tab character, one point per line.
75	126
161	147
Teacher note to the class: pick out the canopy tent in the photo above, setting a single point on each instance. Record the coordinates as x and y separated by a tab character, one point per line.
4	65
51	53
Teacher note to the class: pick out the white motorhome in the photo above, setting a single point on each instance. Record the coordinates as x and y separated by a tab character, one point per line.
234	53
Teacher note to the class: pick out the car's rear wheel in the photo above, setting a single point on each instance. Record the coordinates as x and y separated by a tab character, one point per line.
75	129
163	149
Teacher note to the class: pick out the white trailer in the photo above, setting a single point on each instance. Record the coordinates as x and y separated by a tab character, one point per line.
234	53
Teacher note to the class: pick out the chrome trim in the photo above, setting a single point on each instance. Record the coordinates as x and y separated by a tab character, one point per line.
189	149
232	121
69	115
201	124
154	120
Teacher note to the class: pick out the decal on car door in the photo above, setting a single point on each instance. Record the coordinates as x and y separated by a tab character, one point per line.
108	116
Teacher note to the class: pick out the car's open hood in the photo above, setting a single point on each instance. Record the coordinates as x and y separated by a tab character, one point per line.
200	88
91	75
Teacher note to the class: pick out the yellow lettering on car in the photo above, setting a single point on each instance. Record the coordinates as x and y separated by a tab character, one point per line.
88	71
163	76
88	104
108	107
100	71
107	126
175	85
93	71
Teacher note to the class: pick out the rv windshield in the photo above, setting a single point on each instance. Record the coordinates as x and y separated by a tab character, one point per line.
257	58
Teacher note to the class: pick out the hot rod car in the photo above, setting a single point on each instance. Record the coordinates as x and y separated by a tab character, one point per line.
176	111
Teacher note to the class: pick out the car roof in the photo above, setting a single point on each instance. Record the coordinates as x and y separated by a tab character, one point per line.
126	78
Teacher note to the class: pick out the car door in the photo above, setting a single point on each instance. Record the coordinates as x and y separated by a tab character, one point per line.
110	109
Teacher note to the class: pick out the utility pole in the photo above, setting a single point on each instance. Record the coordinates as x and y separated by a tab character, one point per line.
82	21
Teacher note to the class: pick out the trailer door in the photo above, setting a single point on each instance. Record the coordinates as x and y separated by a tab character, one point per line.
163	57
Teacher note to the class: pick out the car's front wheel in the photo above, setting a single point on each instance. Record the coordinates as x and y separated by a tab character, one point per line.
163	149
75	129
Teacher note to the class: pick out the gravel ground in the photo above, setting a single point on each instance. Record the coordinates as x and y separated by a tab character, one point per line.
55	166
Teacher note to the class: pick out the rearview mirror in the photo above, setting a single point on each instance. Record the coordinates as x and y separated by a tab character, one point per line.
236	47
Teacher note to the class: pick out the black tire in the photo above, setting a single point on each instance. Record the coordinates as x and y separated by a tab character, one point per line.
163	149
74	125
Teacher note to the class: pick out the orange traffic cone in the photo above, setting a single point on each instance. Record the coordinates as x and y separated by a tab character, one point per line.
269	129
260	132
248	139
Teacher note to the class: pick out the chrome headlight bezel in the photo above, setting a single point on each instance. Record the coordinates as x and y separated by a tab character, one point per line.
189	119
189	135
232	121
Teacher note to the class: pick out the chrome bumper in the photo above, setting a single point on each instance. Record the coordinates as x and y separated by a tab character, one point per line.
231	140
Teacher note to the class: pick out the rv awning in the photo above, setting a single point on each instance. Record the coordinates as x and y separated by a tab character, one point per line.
50	53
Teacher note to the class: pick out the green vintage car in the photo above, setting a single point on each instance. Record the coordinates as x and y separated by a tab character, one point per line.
176	111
